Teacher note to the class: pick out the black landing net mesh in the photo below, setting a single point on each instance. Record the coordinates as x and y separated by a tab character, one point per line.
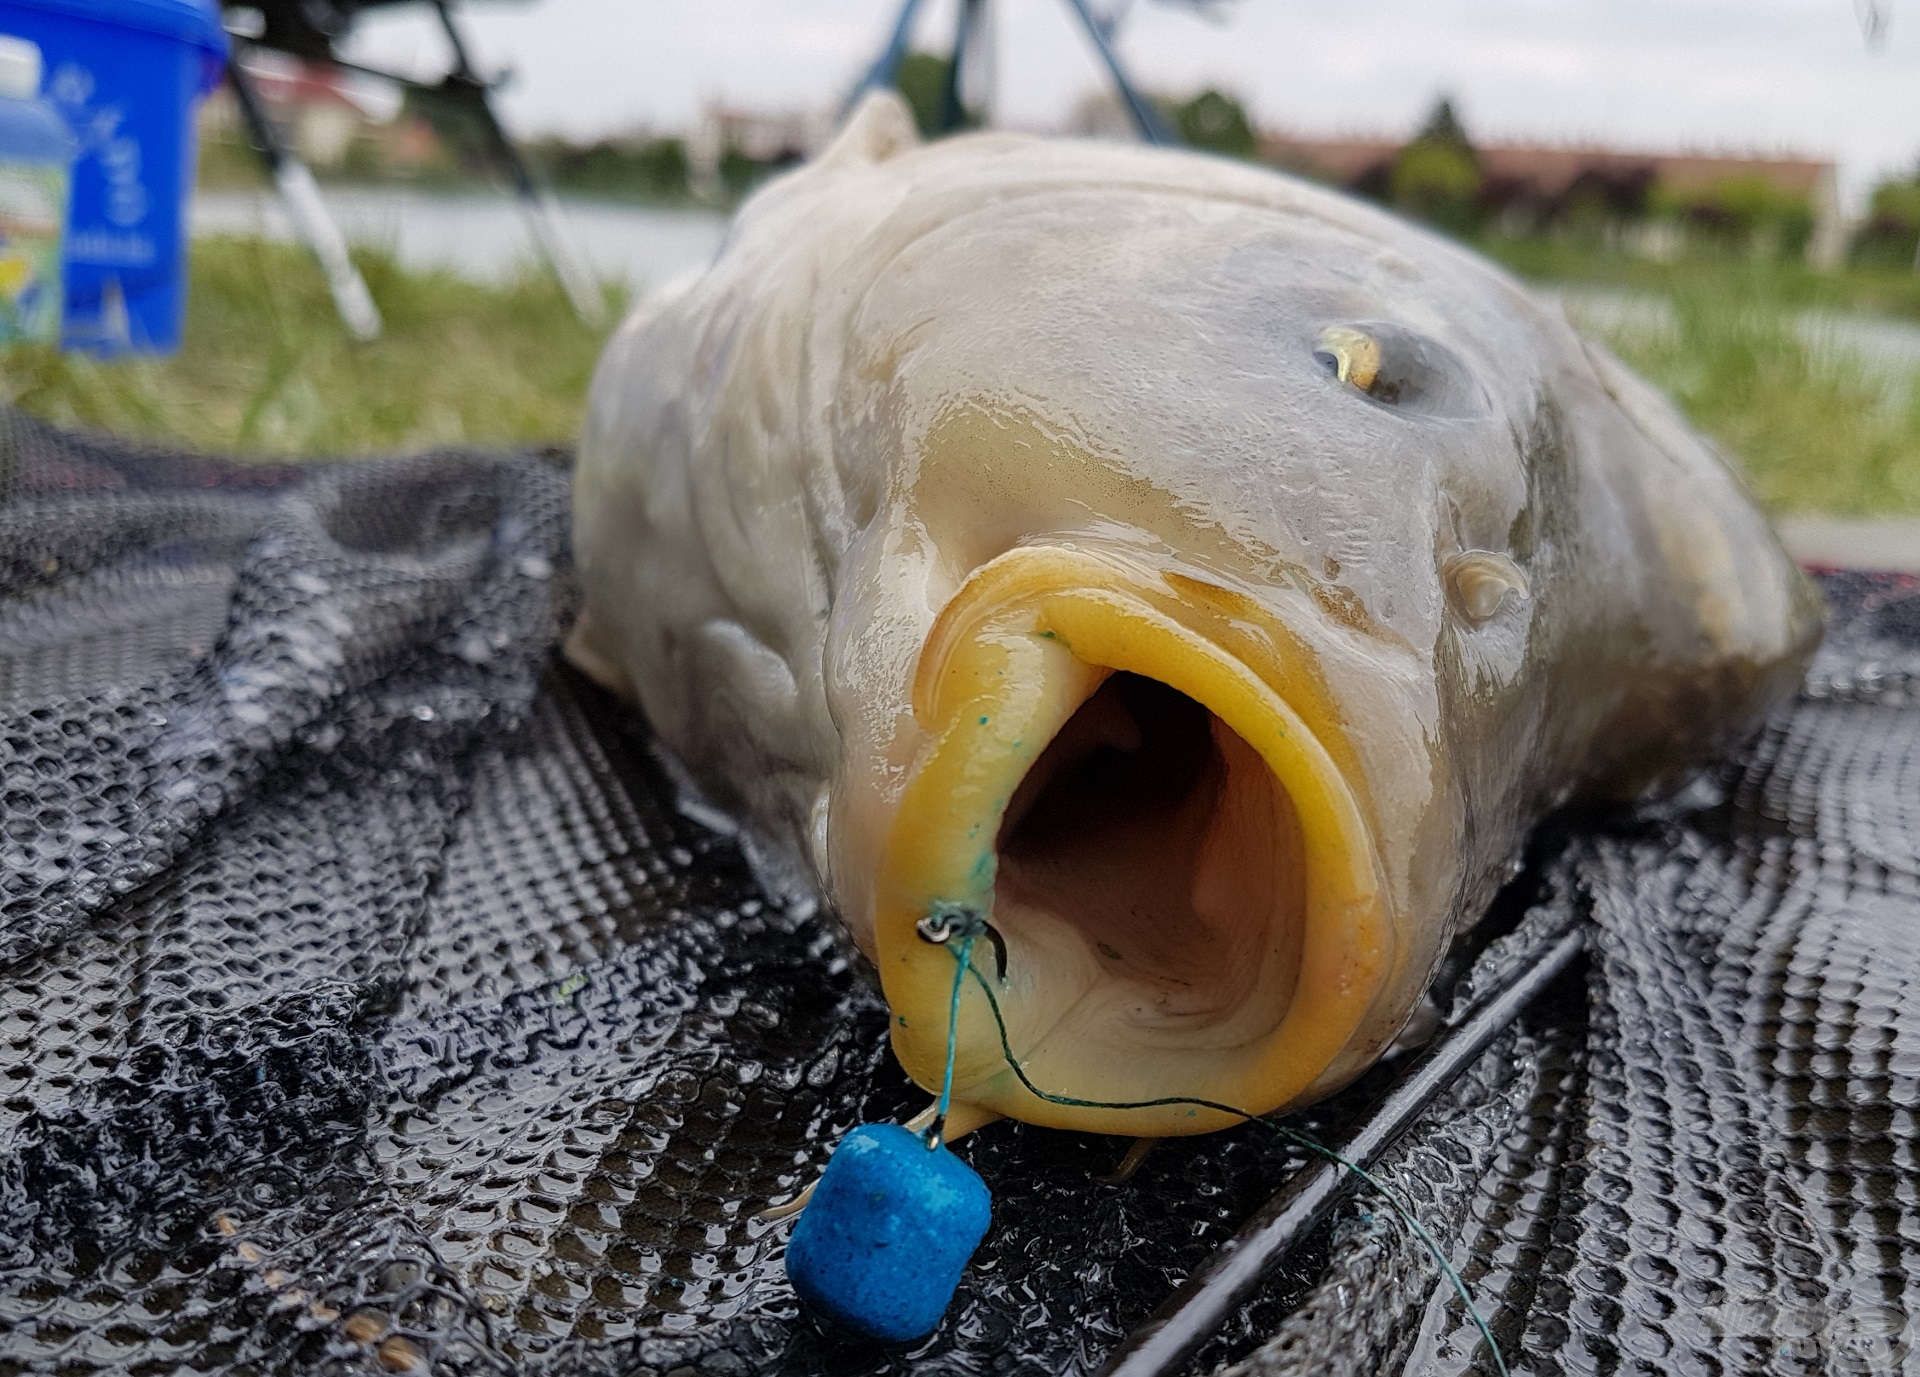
366	1006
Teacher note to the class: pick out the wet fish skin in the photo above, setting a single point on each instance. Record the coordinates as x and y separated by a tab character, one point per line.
928	397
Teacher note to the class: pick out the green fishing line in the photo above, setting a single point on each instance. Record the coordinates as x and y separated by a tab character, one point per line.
965	959
968	925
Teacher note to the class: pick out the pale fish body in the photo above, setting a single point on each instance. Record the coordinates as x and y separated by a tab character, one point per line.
1206	577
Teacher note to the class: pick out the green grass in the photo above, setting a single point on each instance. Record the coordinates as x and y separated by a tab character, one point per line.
1892	290
266	367
1814	431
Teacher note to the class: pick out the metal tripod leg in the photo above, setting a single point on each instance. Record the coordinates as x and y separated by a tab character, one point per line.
311	221
887	65
542	215
1145	118
966	31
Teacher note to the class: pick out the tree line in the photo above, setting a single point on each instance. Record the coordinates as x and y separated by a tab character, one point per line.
1437	176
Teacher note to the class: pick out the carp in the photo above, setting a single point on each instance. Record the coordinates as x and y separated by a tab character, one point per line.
1208	579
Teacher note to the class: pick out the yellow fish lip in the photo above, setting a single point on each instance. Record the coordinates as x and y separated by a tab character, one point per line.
1028	639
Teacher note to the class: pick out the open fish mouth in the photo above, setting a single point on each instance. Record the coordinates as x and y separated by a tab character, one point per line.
1136	778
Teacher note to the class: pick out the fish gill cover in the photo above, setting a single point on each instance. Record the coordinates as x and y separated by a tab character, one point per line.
367	1006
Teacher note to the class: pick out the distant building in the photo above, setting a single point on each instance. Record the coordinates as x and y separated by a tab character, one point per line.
771	138
1099	113
1530	184
1347	162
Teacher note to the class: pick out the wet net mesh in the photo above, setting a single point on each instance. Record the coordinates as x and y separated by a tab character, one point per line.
366	1005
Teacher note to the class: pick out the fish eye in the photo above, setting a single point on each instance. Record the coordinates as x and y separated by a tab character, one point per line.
1400	368
1351	355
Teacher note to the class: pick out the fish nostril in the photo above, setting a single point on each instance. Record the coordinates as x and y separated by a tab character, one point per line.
1479	583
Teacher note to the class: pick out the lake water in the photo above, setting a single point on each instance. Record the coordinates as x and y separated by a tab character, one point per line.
484	236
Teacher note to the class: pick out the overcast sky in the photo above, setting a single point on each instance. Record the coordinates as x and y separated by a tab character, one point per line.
1731	74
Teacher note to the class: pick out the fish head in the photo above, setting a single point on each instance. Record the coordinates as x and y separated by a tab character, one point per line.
1193	639
1141	658
1197	579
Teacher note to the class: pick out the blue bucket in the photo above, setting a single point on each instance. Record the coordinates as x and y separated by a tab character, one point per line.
127	75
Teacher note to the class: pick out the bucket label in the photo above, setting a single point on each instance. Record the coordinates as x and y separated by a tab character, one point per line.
33	198
119	236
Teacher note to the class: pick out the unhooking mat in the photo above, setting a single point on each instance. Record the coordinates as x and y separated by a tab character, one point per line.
367	1006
